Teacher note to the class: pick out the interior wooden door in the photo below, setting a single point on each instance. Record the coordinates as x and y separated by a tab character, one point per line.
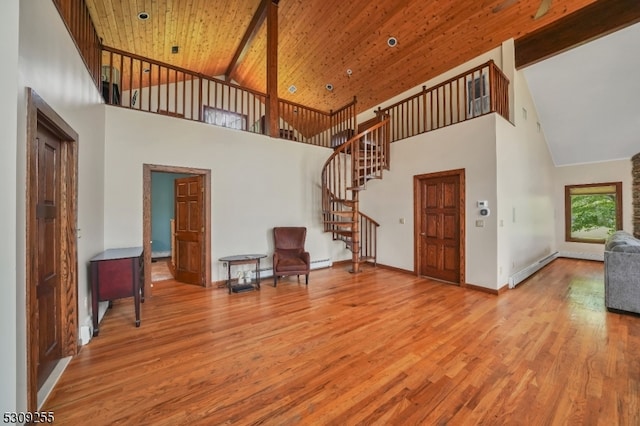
47	254
439	227
189	230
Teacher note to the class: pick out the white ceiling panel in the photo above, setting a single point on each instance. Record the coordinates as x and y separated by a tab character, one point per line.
588	99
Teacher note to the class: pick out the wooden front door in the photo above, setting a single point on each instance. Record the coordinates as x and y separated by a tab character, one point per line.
189	230
47	254
439	206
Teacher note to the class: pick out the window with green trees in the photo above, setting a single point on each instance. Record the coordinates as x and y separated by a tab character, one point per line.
593	211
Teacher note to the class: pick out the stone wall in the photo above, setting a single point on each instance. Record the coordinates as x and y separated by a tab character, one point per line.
635	190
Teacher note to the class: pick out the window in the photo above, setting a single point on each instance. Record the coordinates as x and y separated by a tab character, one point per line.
592	212
221	117
477	96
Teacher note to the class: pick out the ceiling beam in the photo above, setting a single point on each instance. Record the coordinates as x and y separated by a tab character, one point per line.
249	35
595	20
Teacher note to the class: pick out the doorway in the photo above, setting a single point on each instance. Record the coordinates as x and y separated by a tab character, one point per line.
51	250
163	205
201	259
439	230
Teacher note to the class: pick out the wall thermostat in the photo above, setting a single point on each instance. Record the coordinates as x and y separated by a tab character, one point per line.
485	212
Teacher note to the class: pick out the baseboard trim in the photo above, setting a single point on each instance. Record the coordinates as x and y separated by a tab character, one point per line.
393	268
343	263
482	289
268	272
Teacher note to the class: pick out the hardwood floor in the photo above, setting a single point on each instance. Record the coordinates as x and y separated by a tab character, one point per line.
160	270
380	347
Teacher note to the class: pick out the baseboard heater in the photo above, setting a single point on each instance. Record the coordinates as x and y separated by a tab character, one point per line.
583	256
315	264
525	273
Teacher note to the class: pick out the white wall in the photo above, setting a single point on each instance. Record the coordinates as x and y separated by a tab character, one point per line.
257	183
511	168
469	145
525	210
609	171
9	11
50	64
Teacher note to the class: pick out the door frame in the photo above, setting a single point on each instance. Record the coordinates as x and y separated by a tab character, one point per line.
417	202
39	112
147	169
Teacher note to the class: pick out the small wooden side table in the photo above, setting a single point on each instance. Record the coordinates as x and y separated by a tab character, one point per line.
242	259
117	274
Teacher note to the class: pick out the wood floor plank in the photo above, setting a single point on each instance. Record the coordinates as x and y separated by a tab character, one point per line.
380	347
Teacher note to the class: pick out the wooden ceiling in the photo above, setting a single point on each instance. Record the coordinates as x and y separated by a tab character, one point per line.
319	40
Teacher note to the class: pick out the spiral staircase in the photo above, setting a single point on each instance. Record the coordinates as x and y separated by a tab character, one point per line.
346	173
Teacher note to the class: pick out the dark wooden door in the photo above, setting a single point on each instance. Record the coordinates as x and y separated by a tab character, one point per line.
189	229
48	291
439	227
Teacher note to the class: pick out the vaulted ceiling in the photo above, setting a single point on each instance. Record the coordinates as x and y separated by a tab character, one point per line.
589	108
320	40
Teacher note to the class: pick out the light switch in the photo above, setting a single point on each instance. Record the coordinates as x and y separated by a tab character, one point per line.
402	221
479	223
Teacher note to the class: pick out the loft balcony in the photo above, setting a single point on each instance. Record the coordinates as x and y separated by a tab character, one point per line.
133	82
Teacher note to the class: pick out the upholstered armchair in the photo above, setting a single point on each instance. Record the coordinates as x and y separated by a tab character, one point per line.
289	256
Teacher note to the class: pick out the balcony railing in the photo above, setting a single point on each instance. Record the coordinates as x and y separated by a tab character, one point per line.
139	83
479	91
76	17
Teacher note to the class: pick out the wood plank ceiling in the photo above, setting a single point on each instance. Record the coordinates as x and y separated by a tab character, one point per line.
319	40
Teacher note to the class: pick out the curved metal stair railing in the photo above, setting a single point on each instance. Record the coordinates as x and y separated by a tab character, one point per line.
346	173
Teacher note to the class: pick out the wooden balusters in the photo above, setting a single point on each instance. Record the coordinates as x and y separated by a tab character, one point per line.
135	82
344	175
76	15
481	90
140	83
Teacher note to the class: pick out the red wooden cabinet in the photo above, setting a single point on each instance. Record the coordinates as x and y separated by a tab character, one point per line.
117	274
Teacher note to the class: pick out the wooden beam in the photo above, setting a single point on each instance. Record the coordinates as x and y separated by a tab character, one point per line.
595	20
272	70
249	35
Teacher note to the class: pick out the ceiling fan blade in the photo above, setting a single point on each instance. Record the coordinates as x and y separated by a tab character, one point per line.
505	4
543	9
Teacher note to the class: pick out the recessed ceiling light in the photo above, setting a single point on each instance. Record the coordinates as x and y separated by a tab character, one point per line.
329	87
143	16
292	89
392	41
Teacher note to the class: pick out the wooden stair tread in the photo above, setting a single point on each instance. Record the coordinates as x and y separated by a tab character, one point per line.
344	233
342	200
338	212
339	223
361	160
